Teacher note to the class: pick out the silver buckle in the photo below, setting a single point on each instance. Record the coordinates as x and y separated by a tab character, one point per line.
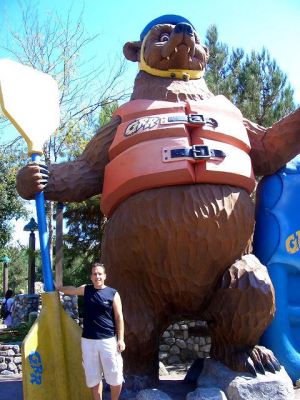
200	152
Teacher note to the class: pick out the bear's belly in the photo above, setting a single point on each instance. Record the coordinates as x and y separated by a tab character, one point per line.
177	239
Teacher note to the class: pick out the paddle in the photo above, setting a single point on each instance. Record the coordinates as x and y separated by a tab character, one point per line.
51	356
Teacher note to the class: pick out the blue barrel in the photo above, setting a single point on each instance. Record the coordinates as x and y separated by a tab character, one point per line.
277	245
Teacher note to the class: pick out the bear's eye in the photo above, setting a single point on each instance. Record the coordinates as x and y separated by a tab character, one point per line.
164	37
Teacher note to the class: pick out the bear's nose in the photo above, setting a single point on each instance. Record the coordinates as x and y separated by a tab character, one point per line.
183	27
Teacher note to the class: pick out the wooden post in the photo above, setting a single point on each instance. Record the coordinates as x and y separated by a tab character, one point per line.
59	245
31	263
5	277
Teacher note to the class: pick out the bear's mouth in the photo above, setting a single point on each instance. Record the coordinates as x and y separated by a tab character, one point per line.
181	57
173	47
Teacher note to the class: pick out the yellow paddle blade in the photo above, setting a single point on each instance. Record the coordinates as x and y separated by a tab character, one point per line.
51	356
30	100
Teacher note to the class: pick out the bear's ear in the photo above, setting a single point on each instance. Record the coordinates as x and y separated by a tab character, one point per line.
131	50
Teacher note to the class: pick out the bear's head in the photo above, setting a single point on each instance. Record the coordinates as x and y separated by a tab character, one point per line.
169	47
171	60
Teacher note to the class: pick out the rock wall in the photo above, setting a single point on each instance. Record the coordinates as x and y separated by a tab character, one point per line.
10	359
70	305
24	304
181	342
28	304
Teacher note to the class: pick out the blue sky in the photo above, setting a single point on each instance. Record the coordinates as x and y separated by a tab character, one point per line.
274	24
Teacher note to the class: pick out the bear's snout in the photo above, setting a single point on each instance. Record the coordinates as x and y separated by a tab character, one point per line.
184	28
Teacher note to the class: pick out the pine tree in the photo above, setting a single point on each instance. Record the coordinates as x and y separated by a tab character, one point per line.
11	205
254	83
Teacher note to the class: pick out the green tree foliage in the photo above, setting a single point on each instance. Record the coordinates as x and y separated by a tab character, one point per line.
11	205
58	45
106	112
17	268
253	82
85	224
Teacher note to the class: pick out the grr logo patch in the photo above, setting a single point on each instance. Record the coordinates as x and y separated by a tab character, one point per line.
35	361
141	125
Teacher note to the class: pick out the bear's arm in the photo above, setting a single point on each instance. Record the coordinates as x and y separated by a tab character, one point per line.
75	180
83	178
273	147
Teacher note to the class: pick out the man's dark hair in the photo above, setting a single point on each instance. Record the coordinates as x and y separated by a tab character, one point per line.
97	264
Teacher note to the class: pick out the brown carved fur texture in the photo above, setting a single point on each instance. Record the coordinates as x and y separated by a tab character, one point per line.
244	300
177	252
168	248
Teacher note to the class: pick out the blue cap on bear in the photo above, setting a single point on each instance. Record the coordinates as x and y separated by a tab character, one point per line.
164	19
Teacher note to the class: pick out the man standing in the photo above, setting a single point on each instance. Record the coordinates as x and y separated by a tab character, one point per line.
103	333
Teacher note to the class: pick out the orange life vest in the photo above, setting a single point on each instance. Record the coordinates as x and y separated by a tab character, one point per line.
161	143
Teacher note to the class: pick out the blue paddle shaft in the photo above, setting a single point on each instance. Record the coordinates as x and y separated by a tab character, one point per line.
44	237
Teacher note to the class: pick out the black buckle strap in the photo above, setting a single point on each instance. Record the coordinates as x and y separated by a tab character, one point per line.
197	152
194	119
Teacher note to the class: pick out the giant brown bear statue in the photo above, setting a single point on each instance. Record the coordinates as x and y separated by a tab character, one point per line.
176	168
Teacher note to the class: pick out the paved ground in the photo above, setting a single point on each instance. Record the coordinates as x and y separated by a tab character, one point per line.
171	385
11	388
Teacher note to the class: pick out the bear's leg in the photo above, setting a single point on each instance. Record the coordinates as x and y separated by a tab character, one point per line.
240	311
141	364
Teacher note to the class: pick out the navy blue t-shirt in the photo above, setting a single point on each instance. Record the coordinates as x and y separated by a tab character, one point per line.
98	317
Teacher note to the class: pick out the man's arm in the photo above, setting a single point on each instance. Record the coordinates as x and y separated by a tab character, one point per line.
117	307
72	290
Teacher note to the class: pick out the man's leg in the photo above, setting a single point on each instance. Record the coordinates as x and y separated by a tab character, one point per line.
97	391
115	392
92	366
112	365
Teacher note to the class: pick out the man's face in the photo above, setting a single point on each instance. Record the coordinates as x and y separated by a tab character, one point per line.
98	277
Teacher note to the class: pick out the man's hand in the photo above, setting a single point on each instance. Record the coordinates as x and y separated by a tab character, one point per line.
121	346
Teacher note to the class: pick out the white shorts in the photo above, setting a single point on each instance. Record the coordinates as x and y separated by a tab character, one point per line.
101	357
